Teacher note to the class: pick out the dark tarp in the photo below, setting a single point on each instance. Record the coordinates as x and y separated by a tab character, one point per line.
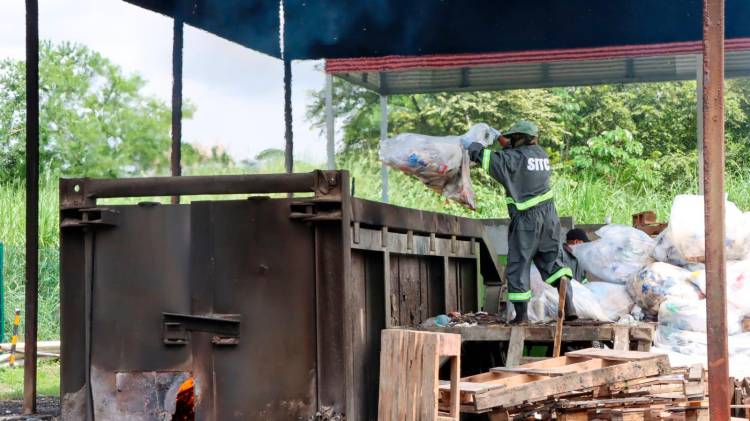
350	28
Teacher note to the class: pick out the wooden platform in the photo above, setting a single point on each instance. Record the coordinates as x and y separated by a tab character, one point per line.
637	337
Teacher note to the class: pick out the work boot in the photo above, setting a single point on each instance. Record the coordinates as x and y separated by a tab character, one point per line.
522	316
570	309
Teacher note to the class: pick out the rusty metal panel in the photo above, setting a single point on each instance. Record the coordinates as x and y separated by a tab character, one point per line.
140	269
271	373
329	296
72	320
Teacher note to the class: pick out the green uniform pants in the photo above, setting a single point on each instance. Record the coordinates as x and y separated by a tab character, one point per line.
534	235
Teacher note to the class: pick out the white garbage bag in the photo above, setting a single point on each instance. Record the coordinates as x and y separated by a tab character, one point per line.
687	232
543	304
666	252
656	282
440	162
612	298
683	314
738	284
619	253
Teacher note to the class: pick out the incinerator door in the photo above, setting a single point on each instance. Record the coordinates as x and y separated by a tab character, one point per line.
251	264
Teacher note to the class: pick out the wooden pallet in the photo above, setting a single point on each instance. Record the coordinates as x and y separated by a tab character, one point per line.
535	382
409	365
638	337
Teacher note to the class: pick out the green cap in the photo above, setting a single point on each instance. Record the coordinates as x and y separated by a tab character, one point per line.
523	126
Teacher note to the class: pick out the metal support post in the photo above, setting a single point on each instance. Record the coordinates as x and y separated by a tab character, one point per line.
713	177
699	116
383	136
289	149
177	101
330	129
32	205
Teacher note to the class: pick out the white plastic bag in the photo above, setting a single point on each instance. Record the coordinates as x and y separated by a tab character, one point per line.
687	232
665	251
690	315
656	282
543	304
738	284
440	162
618	254
612	298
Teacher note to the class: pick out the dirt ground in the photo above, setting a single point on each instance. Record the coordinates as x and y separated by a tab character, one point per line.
48	408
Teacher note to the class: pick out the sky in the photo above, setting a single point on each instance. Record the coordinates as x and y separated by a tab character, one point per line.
238	92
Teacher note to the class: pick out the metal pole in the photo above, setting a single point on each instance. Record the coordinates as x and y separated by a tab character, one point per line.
699	116
289	150
32	205
177	43
330	129
713	175
383	136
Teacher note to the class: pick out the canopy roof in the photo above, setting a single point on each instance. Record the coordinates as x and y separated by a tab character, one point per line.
375	28
535	69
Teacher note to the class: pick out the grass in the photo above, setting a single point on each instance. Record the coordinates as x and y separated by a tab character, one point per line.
47	378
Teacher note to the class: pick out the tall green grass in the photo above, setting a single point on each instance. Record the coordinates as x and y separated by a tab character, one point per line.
587	199
12	235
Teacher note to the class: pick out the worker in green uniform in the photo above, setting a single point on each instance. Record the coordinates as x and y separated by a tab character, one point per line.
574	237
524	170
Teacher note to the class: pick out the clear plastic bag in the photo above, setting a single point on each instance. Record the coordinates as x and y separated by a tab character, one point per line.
684	314
687	232
440	162
612	298
665	251
658	281
543	304
618	254
738	284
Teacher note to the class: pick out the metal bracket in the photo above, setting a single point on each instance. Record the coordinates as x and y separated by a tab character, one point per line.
104	217
176	328
315	211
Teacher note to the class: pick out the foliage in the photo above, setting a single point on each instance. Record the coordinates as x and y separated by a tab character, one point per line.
94	119
616	157
577	125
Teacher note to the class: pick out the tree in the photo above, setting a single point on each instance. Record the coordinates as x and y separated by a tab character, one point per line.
94	119
647	130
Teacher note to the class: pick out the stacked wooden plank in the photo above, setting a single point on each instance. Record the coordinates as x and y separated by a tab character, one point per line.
586	385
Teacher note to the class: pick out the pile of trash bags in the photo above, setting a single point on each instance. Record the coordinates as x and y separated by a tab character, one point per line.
664	279
618	254
440	162
544	300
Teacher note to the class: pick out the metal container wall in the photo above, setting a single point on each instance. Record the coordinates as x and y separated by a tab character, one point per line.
272	306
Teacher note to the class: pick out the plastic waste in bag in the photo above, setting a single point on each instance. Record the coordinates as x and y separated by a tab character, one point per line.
543	304
686	229
440	162
665	251
618	254
738	284
658	281
612	298
685	314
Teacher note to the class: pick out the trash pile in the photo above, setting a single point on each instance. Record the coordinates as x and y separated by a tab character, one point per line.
440	162
665	280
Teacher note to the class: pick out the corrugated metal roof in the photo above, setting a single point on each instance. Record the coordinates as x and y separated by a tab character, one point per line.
452	74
